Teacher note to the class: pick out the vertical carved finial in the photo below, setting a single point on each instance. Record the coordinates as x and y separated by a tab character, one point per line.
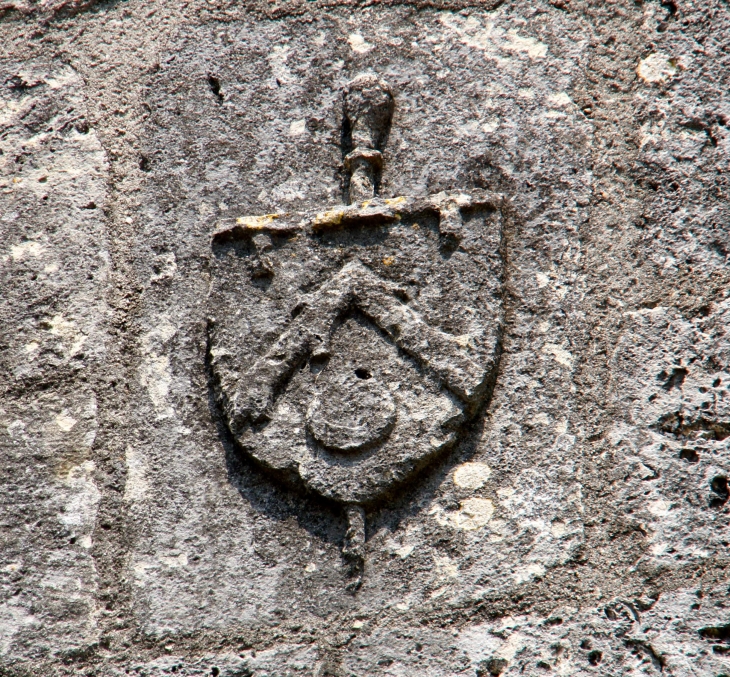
354	548
368	109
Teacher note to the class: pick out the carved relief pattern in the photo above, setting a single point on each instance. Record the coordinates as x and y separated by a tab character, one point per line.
351	346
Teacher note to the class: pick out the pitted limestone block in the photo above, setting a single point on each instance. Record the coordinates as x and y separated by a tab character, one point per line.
670	383
673	635
53	196
53	274
388	279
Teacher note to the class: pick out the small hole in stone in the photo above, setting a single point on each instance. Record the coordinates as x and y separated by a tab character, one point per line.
493	667
215	672
401	295
363	373
594	657
690	455
317	363
719	487
675	379
215	86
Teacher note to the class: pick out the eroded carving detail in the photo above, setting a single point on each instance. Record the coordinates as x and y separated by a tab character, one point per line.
351	346
368	109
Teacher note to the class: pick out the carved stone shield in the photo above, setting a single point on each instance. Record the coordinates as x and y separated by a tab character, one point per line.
369	343
350	347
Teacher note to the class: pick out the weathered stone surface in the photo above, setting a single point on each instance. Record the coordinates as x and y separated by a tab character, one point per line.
54	269
177	232
621	637
441	519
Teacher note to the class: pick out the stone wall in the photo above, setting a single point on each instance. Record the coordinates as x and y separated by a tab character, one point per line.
550	218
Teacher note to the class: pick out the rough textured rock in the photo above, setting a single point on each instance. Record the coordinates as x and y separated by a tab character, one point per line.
534	462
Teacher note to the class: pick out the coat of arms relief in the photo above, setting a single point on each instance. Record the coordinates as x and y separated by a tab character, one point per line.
351	346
